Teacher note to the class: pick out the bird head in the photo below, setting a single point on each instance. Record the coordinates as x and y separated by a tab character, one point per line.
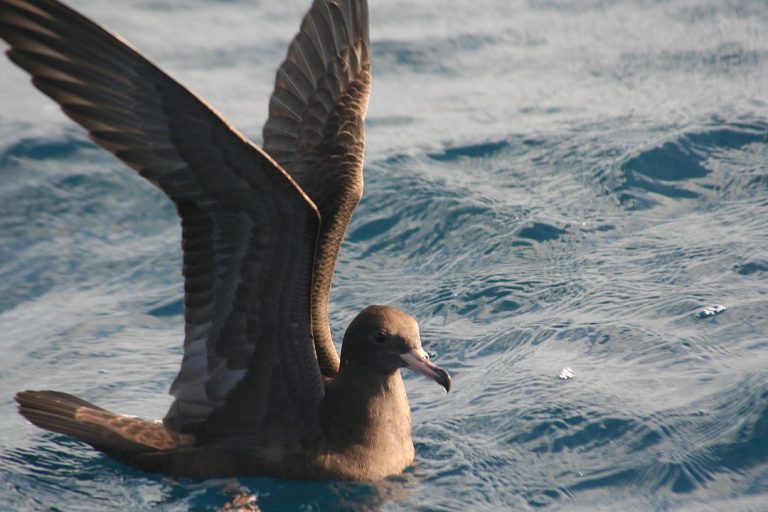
386	339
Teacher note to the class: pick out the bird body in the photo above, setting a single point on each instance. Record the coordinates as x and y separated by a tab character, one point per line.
261	389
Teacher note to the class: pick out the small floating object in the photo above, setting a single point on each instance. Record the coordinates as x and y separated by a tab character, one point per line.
710	311
566	374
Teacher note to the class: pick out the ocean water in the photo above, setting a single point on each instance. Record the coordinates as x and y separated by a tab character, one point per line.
550	184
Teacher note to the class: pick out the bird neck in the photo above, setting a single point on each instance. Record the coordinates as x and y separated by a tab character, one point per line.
366	407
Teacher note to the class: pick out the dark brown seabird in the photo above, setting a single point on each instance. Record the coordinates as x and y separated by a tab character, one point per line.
261	390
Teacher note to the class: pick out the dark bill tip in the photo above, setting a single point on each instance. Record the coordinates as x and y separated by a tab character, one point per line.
443	378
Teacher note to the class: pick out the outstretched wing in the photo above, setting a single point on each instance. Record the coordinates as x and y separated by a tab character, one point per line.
248	231
315	131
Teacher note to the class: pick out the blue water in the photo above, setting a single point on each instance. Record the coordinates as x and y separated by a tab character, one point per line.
549	184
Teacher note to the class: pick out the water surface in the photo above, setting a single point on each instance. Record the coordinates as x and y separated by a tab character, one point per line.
549	184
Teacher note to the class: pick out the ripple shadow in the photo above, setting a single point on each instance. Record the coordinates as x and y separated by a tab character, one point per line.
678	168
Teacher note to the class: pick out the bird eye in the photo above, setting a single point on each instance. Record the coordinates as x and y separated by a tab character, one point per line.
380	337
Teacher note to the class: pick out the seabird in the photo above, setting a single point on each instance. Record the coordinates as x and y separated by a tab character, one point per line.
261	389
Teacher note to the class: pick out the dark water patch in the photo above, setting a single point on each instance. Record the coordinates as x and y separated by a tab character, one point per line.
736	136
42	149
444	224
644	190
534	142
483	297
600	228
73	181
540	426
758	181
682	159
173	308
540	232
749	446
684	477
395	161
372	228
751	267
680	168
521	243
672	161
472	151
605	478
575	431
427	227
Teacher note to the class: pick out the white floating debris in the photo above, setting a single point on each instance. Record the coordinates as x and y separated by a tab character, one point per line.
710	311
565	374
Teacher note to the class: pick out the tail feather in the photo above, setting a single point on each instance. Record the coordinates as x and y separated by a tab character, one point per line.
104	430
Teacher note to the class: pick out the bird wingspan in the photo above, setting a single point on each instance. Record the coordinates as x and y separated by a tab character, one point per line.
248	231
315	131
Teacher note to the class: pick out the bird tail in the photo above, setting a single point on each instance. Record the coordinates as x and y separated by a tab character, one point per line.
102	429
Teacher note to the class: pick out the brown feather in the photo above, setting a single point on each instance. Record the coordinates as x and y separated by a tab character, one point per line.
315	131
98	427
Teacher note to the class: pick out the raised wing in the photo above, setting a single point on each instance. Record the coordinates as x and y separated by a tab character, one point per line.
248	231
315	131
